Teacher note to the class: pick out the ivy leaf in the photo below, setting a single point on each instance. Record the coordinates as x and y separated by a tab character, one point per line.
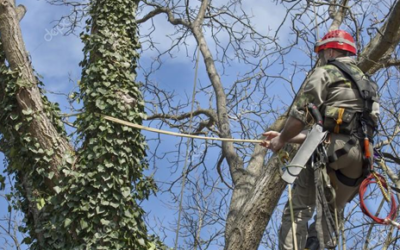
141	242
104	222
152	246
100	104
40	204
27	240
126	191
83	224
57	189
67	222
27	111
18	126
14	117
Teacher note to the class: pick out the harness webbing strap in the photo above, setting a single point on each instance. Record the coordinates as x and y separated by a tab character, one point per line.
366	90
321	178
342	151
395	189
323	211
351	182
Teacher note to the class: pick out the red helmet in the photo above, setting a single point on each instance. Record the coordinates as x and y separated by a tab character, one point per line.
337	39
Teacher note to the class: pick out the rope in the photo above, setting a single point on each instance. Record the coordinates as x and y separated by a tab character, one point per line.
337	225
133	125
283	157
384	168
187	151
292	216
385	194
371	179
316	21
339	121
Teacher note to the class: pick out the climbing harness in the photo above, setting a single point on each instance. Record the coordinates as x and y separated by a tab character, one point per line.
362	129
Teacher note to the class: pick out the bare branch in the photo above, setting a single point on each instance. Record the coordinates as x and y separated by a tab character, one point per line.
383	44
159	10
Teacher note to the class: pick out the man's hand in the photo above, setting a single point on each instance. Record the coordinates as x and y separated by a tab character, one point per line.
273	141
269	136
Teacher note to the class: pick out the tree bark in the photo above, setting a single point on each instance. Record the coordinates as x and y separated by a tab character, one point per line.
253	203
29	97
380	48
29	100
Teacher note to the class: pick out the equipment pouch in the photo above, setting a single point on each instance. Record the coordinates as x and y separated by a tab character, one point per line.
339	120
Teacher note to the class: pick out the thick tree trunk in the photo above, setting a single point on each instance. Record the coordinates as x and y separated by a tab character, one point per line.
253	201
380	48
30	102
29	97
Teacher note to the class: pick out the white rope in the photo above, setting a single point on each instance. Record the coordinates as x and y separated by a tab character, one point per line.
292	216
189	141
133	125
316	22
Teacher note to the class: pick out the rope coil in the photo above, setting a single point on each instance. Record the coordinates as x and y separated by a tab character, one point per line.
380	181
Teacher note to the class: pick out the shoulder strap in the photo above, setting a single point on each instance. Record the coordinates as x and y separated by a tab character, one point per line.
364	86
345	69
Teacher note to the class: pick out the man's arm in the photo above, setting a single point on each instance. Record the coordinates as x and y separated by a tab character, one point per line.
291	130
299	139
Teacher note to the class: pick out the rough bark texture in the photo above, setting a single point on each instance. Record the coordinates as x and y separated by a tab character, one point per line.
29	97
379	49
259	187
29	100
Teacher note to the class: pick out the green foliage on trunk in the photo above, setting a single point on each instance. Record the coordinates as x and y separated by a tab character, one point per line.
108	177
92	202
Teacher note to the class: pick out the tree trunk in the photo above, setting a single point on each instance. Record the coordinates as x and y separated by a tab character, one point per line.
36	124
260	187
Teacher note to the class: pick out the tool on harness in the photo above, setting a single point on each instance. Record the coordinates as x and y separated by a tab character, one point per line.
313	139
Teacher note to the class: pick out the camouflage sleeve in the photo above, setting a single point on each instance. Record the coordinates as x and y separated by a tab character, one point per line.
315	91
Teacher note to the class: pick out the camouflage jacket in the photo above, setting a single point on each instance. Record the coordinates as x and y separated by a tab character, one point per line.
329	90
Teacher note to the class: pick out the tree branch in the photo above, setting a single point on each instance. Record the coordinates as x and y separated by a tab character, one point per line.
29	97
208	112
383	44
339	16
234	161
159	10
29	100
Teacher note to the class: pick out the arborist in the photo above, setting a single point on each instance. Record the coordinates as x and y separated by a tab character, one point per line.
349	106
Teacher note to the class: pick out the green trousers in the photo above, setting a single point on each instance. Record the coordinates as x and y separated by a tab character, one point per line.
303	198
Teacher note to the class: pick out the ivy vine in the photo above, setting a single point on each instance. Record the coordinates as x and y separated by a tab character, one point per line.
93	203
107	178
